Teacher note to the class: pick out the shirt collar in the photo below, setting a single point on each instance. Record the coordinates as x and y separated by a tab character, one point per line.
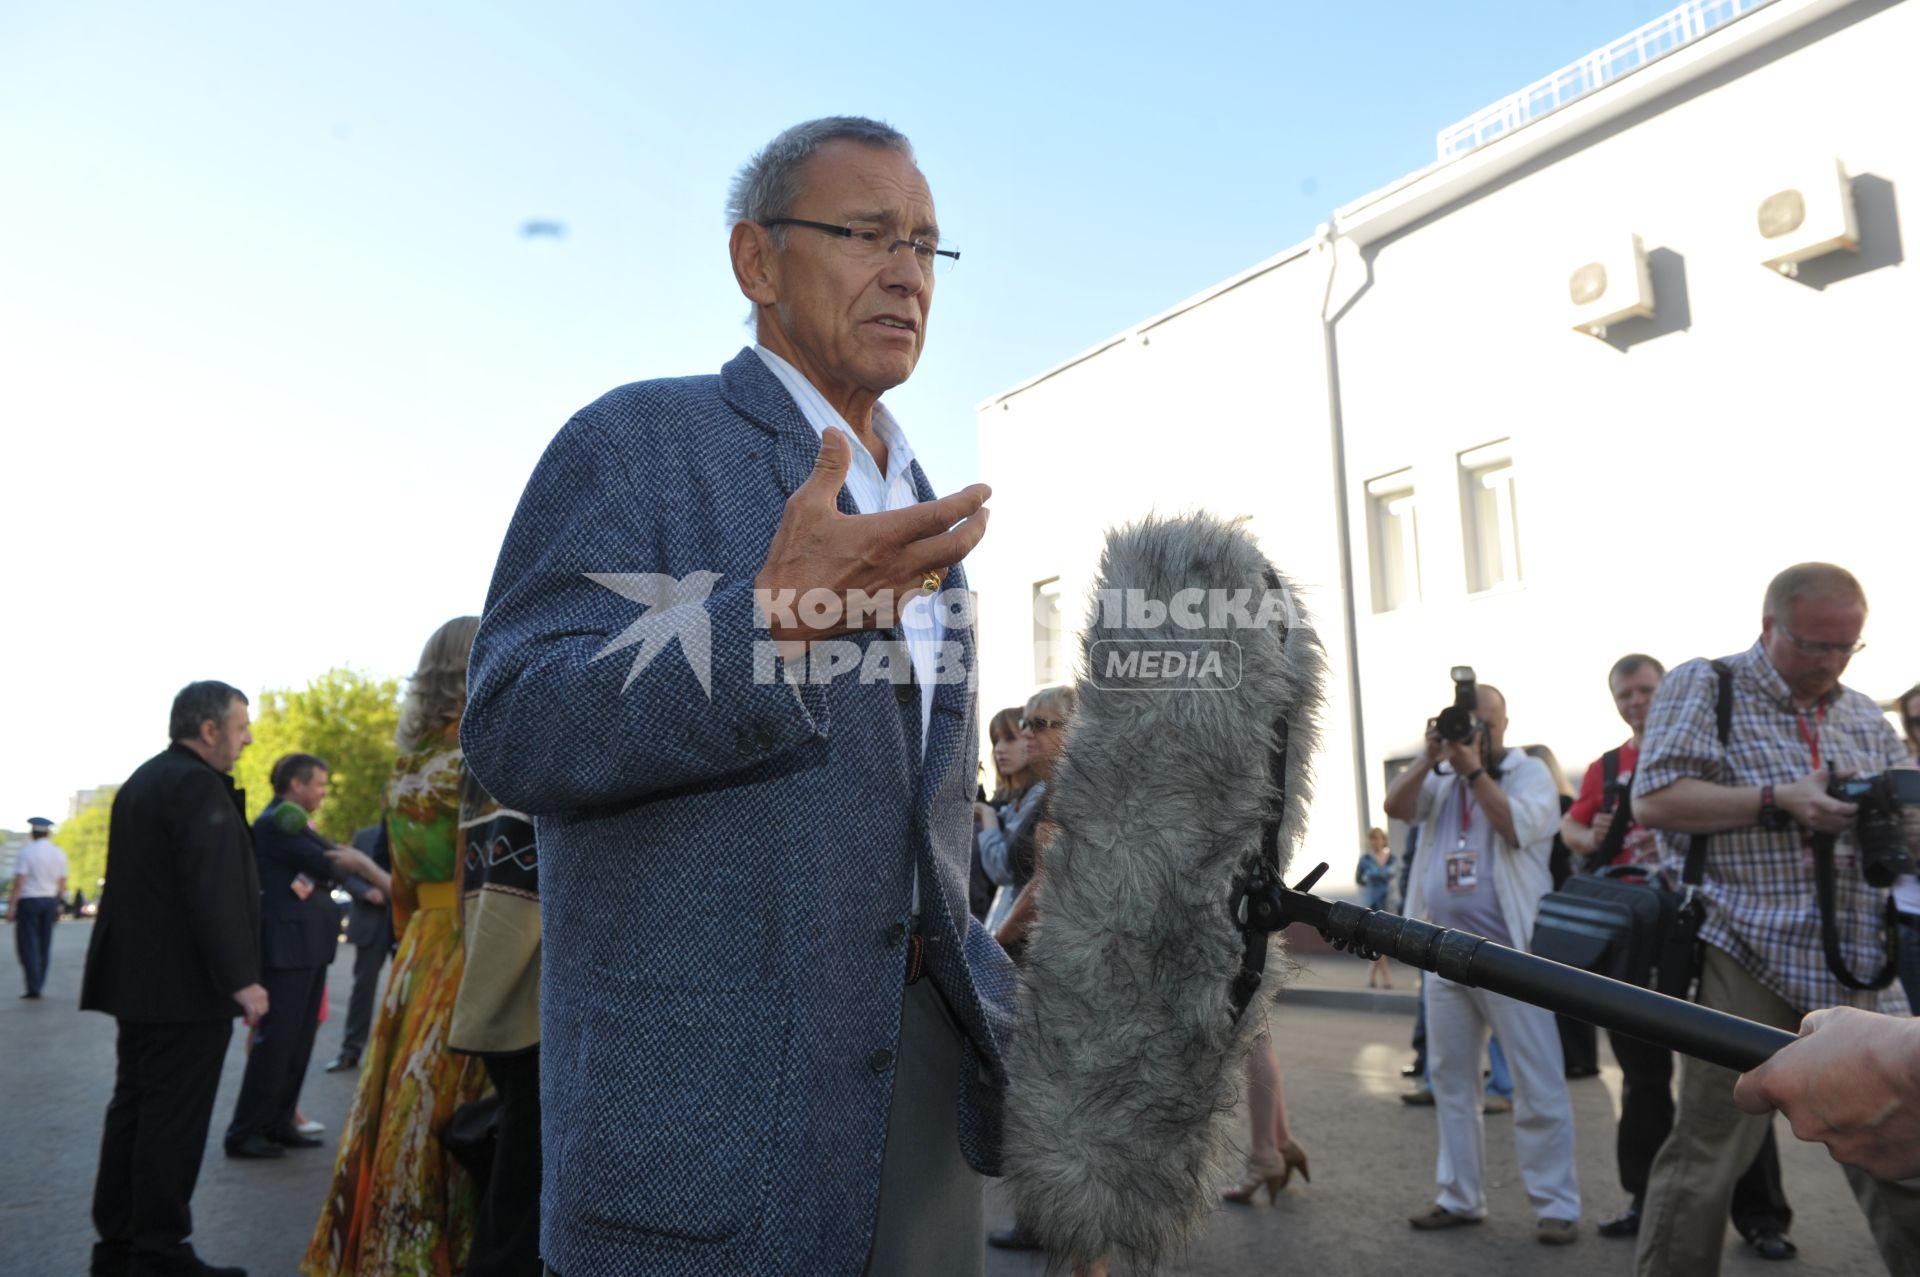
820	415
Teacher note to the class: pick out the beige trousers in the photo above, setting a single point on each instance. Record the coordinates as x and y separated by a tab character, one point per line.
1684	1228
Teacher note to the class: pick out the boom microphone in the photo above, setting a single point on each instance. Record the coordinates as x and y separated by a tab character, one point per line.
1479	963
1186	762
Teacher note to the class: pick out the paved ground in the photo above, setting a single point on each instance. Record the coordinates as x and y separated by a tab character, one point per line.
1372	1157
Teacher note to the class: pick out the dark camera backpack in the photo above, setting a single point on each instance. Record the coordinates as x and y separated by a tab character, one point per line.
1625	929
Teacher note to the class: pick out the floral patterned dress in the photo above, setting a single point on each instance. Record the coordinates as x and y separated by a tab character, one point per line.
399	1205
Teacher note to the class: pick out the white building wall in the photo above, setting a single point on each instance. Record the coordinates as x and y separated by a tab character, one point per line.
1218	406
1665	478
1664	475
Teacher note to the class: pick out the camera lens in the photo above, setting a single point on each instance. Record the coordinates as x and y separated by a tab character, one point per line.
1454	724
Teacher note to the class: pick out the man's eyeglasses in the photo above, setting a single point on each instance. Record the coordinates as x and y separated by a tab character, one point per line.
1041	724
870	243
1822	649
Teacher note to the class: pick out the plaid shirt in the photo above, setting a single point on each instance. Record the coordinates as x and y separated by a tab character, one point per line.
1761	907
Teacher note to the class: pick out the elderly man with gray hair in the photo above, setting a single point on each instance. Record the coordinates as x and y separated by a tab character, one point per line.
772	1034
1744	749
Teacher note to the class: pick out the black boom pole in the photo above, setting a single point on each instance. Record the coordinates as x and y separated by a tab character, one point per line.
1701	1032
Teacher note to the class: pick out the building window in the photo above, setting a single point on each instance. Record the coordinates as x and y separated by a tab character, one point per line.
1393	541
1049	638
1490	521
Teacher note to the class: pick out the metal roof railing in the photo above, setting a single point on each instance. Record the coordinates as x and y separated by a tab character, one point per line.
1639	48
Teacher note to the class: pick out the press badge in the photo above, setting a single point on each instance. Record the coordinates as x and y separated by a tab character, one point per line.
301	886
1463	870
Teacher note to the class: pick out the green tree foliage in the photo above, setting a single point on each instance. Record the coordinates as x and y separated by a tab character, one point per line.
346	717
84	839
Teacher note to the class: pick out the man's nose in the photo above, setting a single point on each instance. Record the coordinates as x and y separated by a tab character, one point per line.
904	270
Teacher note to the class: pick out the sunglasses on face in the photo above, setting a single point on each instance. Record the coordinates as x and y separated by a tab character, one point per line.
1041	724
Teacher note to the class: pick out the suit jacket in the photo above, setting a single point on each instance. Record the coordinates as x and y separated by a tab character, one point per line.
369	924
178	932
294	932
726	875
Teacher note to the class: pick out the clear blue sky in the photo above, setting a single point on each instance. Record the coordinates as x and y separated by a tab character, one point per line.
275	360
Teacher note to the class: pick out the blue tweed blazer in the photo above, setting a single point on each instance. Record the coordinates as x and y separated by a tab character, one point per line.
725	878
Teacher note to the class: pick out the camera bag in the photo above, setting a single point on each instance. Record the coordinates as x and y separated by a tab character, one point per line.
1637	931
1607	924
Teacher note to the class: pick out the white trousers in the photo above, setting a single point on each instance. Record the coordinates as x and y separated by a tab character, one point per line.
1458	1021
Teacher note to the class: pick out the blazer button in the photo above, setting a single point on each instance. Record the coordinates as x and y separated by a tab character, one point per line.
905	693
763	739
743	744
895	934
880	1060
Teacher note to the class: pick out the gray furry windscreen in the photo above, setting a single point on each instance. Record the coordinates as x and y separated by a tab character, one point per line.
1128	1062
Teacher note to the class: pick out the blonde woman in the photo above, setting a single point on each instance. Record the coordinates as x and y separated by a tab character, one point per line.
399	1205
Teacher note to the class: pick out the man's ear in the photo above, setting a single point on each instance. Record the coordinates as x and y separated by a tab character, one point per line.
755	265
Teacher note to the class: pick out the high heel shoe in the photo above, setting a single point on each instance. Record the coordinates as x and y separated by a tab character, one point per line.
1268	1170
1295	1158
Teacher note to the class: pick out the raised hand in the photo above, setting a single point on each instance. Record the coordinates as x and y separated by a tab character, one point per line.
888	554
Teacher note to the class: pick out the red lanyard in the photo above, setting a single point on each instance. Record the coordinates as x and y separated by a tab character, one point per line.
1466	811
1811	735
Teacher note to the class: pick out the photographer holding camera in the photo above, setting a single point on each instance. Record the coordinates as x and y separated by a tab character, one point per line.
1795	907
1487	817
1600	828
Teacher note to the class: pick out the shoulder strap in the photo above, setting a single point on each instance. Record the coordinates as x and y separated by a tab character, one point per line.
1723	704
1696	869
1824	888
1603	855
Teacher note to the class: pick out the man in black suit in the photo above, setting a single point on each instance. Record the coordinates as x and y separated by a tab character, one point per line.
175	954
370	932
300	928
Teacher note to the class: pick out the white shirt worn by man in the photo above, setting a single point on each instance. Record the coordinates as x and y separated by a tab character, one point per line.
41	866
1518	875
873	492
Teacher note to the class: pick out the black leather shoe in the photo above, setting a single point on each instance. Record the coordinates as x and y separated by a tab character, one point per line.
1015	1238
255	1146
1625	1224
343	1063
1773	1245
294	1139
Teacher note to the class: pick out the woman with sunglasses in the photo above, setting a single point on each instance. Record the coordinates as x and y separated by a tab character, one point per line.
1044	731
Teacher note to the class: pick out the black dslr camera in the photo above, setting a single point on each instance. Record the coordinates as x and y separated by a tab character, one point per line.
1460	721
1883	846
